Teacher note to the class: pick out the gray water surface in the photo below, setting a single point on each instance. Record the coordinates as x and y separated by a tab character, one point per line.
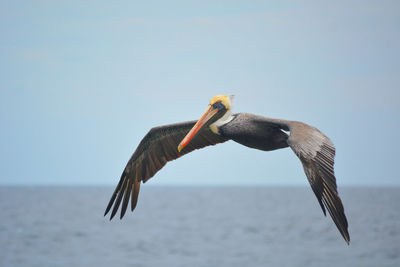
197	226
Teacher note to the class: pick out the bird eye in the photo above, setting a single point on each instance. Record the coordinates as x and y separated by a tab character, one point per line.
218	105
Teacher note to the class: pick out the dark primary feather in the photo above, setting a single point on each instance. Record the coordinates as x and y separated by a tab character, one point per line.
159	146
317	153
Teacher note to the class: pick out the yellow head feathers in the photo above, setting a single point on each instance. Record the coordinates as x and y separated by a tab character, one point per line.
226	100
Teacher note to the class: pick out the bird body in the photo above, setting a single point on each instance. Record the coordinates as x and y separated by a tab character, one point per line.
165	143
255	132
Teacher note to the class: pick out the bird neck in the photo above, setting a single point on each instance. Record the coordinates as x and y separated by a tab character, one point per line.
227	117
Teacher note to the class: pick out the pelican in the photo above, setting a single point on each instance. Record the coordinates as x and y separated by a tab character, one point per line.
166	143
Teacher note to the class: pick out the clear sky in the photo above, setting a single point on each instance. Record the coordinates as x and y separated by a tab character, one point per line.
81	82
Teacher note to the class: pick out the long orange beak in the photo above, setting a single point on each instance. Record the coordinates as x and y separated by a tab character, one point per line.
210	112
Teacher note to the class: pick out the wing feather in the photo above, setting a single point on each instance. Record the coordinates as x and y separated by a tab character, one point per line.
126	197
119	198
135	194
154	151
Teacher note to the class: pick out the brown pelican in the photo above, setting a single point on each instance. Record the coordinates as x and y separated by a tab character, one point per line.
165	143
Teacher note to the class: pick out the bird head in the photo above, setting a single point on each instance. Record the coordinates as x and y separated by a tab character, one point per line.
219	106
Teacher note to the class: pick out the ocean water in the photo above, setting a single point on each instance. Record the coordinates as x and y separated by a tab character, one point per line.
197	226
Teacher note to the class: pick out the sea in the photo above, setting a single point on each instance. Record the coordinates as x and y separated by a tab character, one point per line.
196	226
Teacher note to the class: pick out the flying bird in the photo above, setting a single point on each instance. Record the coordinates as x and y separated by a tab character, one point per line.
166	143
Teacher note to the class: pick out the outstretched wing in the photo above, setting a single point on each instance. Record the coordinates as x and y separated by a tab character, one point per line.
154	151
317	152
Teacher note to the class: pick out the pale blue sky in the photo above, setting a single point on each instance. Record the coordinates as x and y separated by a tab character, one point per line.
81	82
